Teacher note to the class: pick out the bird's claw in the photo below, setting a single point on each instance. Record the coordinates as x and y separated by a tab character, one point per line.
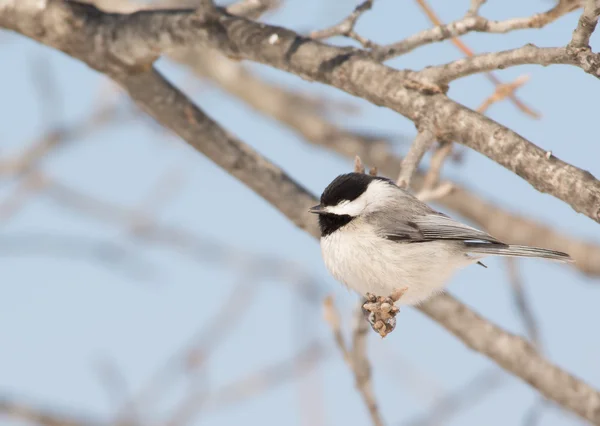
381	311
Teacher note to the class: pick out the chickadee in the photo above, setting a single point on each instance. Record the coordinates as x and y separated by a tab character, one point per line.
377	238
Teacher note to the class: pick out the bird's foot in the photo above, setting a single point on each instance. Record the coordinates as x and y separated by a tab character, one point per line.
381	311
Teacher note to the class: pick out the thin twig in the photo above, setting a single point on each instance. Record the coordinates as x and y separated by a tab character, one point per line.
346	26
197	351
425	138
473	23
114	256
474	7
472	12
522	303
435	193
356	358
253	9
442	411
22	167
502	91
29	413
532	329
251	385
431	188
358	165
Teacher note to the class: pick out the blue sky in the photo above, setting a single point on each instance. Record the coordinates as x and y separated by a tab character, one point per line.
64	318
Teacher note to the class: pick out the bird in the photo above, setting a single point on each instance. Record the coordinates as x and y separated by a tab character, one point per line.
379	239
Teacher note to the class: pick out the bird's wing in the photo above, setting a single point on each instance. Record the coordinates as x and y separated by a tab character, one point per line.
438	226
418	222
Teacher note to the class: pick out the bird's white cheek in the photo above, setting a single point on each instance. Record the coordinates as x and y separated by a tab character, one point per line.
350	208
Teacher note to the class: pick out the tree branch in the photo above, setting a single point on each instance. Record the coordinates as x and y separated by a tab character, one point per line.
346	26
526	55
586	26
27	412
143	35
424	140
303	116
473	22
253	9
356	356
512	352
473	11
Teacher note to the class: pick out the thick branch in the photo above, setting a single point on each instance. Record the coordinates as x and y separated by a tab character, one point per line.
150	31
587	25
482	336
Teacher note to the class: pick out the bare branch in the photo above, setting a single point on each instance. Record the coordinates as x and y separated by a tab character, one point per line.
526	55
346	27
23	167
435	193
502	91
251	385
532	330
54	138
522	304
28	412
253	9
356	74
356	358
197	351
516	355
113	256
464	398
424	140
468	52
586	25
438	158
471	23
474	7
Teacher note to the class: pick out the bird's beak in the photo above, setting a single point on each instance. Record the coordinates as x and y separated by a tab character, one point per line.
318	209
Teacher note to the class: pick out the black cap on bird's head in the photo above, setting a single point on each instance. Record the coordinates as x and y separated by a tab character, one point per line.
342	190
346	187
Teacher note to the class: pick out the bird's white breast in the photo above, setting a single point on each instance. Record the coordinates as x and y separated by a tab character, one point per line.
366	262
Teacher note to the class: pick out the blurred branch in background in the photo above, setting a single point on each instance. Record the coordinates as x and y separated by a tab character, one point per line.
448	406
30	413
355	356
532	329
114	256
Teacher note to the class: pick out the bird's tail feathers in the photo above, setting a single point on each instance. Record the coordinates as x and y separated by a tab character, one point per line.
517	251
